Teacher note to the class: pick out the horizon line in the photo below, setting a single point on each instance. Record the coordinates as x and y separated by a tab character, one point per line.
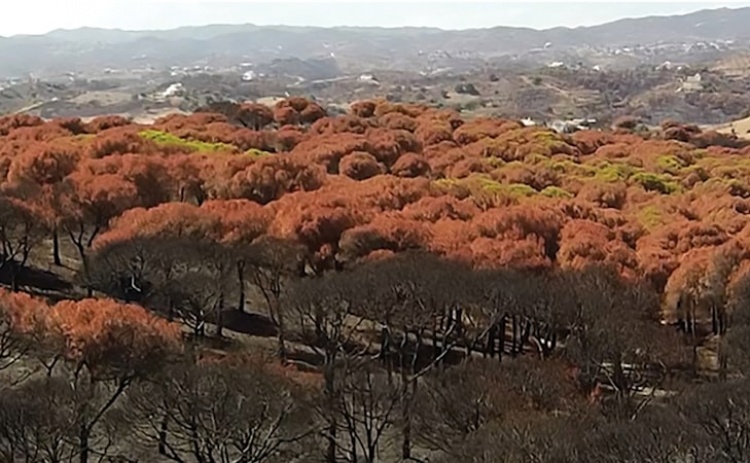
442	29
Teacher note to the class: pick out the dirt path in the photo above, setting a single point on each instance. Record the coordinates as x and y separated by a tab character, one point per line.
30	107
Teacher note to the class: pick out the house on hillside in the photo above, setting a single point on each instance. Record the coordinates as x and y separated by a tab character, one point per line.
368	79
692	83
572	125
173	90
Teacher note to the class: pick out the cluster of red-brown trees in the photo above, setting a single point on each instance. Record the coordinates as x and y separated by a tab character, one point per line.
386	178
397	233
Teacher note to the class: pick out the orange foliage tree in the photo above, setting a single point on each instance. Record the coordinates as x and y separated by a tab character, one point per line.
89	202
37	174
108	345
20	232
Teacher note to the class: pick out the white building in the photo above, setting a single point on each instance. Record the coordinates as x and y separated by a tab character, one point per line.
173	90
692	83
368	79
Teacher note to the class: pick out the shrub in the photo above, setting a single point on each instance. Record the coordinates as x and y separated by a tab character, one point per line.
256	153
614	172
654	182
670	164
556	192
650	217
167	139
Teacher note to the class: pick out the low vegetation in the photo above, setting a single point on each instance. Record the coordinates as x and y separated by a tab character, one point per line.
165	139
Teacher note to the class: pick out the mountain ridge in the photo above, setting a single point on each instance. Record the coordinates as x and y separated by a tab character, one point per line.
59	31
360	49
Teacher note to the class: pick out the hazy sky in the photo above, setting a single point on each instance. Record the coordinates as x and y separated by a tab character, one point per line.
40	16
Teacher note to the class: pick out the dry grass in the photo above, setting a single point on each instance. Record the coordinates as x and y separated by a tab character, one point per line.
741	128
104	98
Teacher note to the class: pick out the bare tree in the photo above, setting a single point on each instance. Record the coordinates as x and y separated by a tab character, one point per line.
328	324
37	422
421	303
129	270
500	312
658	435
41	422
615	338
531	437
21	230
13	345
187	279
368	407
735	347
721	414
225	413
269	264
196	297
454	405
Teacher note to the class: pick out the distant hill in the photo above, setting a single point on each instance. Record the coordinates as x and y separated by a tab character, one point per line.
692	37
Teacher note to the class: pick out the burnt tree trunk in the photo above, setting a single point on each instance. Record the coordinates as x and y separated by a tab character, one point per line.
409	391
714	320
406	430
501	325
278	318
163	436
241	282
56	248
83	444
330	394
220	316
13	270
435	348
525	334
